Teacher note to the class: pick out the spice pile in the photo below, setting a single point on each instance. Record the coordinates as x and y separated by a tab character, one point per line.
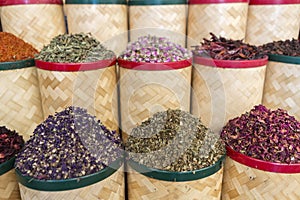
74	48
269	135
14	49
10	143
287	47
153	49
69	144
174	140
220	48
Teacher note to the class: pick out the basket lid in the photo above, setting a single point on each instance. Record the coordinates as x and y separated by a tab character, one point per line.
272	2
230	63
154	66
284	58
155	2
96	2
19	2
71	67
216	1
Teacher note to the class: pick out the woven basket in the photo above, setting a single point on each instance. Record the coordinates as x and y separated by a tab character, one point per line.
86	16
166	18
88	85
227	18
282	85
147	88
9	189
248	178
34	21
20	97
224	89
148	183
278	20
106	184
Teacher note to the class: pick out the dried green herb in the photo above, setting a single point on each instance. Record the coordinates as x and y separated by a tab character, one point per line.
174	140
74	48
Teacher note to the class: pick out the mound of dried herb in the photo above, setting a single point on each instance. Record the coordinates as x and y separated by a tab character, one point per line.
74	48
10	143
13	48
221	48
287	47
69	144
153	49
174	140
269	135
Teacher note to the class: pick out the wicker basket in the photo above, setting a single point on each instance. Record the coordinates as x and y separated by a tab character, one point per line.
105	184
149	183
272	21
93	16
146	88
227	18
88	85
225	89
282	85
166	18
34	21
8	183
249	178
20	97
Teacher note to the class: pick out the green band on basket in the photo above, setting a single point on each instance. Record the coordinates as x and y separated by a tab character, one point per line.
6	166
284	59
155	2
17	64
177	176
96	2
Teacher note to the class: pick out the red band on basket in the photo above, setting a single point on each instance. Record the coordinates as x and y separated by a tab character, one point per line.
216	1
20	2
272	2
154	66
52	66
262	165
230	63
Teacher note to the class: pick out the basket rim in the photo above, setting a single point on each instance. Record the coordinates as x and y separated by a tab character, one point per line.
154	66
69	184
155	2
7	165
23	2
19	64
192	2
71	67
261	164
96	2
284	58
273	2
239	64
176	176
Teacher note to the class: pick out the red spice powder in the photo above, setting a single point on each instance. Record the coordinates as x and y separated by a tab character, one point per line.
13	48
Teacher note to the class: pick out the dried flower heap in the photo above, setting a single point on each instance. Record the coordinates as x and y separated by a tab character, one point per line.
69	144
286	47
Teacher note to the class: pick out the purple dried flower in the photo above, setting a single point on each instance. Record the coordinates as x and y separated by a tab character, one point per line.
269	135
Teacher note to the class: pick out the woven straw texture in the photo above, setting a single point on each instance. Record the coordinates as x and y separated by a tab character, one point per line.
163	20
20	100
9	189
241	182
143	93
282	87
36	24
221	94
94	90
272	23
93	18
225	19
143	187
112	188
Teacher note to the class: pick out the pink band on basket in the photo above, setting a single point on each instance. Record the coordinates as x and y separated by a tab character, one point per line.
262	165
20	2
230	63
272	2
216	1
154	66
51	66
